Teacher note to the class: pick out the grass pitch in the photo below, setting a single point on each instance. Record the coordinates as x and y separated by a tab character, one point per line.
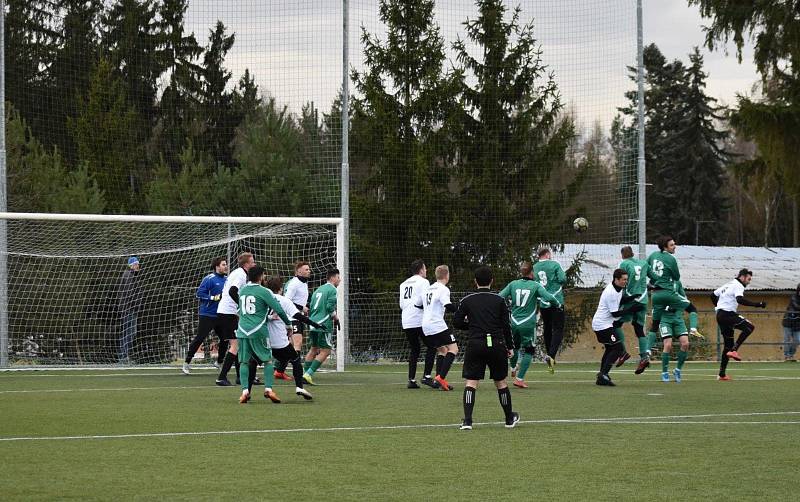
158	434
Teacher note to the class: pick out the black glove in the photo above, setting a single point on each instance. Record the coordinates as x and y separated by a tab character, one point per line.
636	307
337	324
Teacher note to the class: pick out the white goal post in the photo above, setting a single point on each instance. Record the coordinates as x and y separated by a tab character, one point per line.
61	261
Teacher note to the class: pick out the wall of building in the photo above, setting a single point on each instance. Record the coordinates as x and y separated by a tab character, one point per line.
765	344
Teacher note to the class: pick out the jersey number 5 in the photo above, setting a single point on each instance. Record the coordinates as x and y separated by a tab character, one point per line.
249	303
638	272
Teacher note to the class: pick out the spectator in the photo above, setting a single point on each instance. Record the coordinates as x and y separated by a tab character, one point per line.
791	326
130	297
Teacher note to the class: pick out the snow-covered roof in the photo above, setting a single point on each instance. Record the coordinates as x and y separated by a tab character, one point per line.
701	267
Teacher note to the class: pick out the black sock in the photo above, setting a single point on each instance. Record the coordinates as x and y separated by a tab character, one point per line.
412	368
253	365
297	371
448	361
610	356
280	366
639	330
439	361
430	356
505	402
742	337
469	403
723	363
236	365
558	333
226	365
222	349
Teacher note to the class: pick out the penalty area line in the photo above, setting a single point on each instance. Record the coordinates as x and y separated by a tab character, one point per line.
367	428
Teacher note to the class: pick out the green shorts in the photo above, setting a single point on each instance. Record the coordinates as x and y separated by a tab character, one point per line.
663	299
672	326
321	339
524	335
257	347
638	317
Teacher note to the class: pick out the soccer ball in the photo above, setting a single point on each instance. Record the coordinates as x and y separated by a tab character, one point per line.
580	224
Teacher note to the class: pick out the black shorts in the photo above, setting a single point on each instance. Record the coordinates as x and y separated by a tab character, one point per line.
728	319
298	328
228	323
607	336
285	354
440	339
478	356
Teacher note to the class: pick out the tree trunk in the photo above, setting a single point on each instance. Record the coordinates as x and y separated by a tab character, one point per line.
795	223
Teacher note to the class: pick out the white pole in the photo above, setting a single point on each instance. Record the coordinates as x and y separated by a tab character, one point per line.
129	218
343	233
641	171
3	199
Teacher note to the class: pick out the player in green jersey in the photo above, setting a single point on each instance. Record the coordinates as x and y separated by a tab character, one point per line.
675	328
550	275
322	310
524	294
636	288
256	305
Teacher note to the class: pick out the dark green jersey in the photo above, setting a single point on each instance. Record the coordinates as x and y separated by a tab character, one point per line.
323	306
663	270
524	294
550	275
637	278
256	305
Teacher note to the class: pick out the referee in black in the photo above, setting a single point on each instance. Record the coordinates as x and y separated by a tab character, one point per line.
485	316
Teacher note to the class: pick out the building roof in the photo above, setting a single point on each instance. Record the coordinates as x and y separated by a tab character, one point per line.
701	267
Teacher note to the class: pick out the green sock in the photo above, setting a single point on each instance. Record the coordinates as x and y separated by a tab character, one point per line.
692	320
269	376
664	361
643	346
314	367
244	375
620	335
651	340
524	365
513	361
307	364
682	356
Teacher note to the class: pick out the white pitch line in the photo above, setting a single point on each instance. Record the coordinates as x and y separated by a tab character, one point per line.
119	389
593	421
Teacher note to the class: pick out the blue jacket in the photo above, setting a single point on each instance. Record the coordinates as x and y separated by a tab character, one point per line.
210	287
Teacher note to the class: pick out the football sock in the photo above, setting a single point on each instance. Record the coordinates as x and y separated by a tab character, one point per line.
269	375
505	402
742	337
693	320
723	364
297	372
664	361
314	367
307	364
245	376
651	340
439	361
643	346
222	349
280	366
682	356
446	363
469	403
524	364
430	356
252	371
620	334
412	368
236	365
226	366
638	329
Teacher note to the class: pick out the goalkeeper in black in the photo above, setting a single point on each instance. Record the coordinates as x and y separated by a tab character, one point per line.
485	316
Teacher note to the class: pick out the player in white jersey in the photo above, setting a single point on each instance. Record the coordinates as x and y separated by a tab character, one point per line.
726	300
609	311
411	292
437	335
282	348
227	314
296	290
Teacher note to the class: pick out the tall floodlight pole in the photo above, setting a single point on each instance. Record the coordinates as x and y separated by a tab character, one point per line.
641	182
343	236
3	198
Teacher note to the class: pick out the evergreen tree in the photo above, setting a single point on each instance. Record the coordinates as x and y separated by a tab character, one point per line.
193	190
215	101
246	97
108	139
510	144
397	134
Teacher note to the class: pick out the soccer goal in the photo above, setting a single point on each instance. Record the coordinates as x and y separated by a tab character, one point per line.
64	300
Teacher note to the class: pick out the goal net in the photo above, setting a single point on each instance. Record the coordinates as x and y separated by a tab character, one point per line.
67	304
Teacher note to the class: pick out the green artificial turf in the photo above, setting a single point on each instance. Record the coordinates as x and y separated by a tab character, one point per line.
365	436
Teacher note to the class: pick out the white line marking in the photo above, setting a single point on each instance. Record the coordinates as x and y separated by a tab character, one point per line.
120	389
619	420
655	394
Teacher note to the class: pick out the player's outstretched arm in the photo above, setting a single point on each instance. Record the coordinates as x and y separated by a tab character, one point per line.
547	297
307	320
741	300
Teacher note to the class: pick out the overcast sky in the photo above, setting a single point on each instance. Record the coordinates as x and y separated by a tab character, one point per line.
293	47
